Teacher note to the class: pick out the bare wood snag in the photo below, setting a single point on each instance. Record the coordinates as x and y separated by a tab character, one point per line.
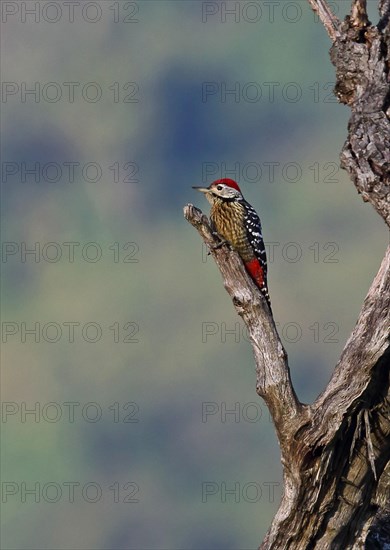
336	451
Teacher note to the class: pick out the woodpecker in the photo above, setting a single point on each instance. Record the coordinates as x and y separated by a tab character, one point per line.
237	222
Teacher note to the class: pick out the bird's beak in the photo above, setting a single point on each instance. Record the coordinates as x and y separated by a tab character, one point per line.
202	189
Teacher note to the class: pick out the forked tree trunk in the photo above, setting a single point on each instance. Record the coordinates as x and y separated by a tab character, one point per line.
335	452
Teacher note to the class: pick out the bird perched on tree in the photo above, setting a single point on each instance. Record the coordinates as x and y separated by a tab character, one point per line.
237	222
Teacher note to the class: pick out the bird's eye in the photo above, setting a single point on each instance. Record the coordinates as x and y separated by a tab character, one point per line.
219	187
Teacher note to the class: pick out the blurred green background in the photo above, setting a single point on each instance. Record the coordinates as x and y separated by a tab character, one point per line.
138	355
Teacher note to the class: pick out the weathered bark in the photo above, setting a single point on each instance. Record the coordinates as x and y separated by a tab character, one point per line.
361	56
335	452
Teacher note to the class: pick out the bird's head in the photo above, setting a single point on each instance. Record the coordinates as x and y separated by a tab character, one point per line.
225	189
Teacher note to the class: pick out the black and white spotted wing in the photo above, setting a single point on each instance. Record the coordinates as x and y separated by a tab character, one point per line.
254	235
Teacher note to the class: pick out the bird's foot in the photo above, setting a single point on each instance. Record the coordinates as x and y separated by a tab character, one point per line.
219	245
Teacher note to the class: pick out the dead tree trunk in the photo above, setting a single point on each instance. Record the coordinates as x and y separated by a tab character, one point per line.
335	452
